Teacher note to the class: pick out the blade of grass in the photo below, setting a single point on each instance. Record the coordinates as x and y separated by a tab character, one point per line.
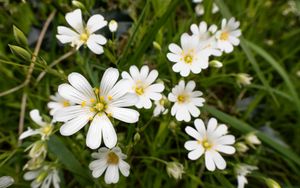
243	127
279	69
226	13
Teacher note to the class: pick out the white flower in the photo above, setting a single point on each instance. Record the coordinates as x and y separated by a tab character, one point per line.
186	101
199	9
215	8
46	128
81	34
113	25
141	83
209	141
111	160
191	57
242	170
252	139
96	105
175	170
197	1
160	106
227	37
57	103
207	40
243	79
6	181
43	177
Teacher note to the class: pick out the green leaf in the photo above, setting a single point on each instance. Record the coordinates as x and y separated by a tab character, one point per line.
67	158
20	52
245	128
20	37
281	71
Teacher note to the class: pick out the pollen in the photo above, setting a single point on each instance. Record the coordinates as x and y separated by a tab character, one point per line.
83	104
66	103
109	97
112	158
206	144
181	98
188	59
47	130
102	98
99	106
92	100
84	37
96	90
224	36
139	90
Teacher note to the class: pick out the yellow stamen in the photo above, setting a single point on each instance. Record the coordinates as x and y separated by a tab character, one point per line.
109	97
83	104
109	114
47	129
84	37
92	100
99	106
188	59
181	98
66	103
90	118
224	36
139	90
112	158
206	144
96	90
102	98
92	109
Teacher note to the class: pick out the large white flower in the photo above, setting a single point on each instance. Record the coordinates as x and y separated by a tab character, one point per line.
160	106
45	129
209	141
206	37
227	37
43	177
111	160
57	103
83	34
242	170
191	57
96	105
186	101
141	83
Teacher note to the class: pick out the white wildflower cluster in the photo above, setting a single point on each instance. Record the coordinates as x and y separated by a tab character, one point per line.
200	10
121	97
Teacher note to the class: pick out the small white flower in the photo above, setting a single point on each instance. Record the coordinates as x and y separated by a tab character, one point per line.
46	128
207	40
227	37
111	160
241	147
43	177
175	170
141	83
199	10
186	101
96	105
252	139
160	106
243	79
191	57
57	103
215	8
242	170
82	34
209	141
6	181
113	26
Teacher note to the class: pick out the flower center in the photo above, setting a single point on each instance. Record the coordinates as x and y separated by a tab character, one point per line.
182	98
162	102
41	176
205	143
84	36
188	58
139	90
66	103
112	158
47	130
224	35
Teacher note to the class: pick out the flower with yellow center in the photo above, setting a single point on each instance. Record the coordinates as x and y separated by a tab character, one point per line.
186	101
111	161
160	106
57	102
83	34
189	57
142	84
43	177
228	35
95	106
45	130
209	142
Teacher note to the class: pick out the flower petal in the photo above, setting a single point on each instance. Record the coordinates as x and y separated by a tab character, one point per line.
191	145
108	81
120	89
209	162
28	133
74	19
199	124
193	133
98	167
111	174
174	48
151	77
124	168
95	23
196	154
94	46
74	125
70	112
129	99
108	132
218	160
225	149
80	83
36	117
124	114
94	135
70	93
99	39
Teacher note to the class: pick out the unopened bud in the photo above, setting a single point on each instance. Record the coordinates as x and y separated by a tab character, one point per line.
216	64
136	137
272	183
243	79
241	147
78	4
156	45
252	139
113	26
175	170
